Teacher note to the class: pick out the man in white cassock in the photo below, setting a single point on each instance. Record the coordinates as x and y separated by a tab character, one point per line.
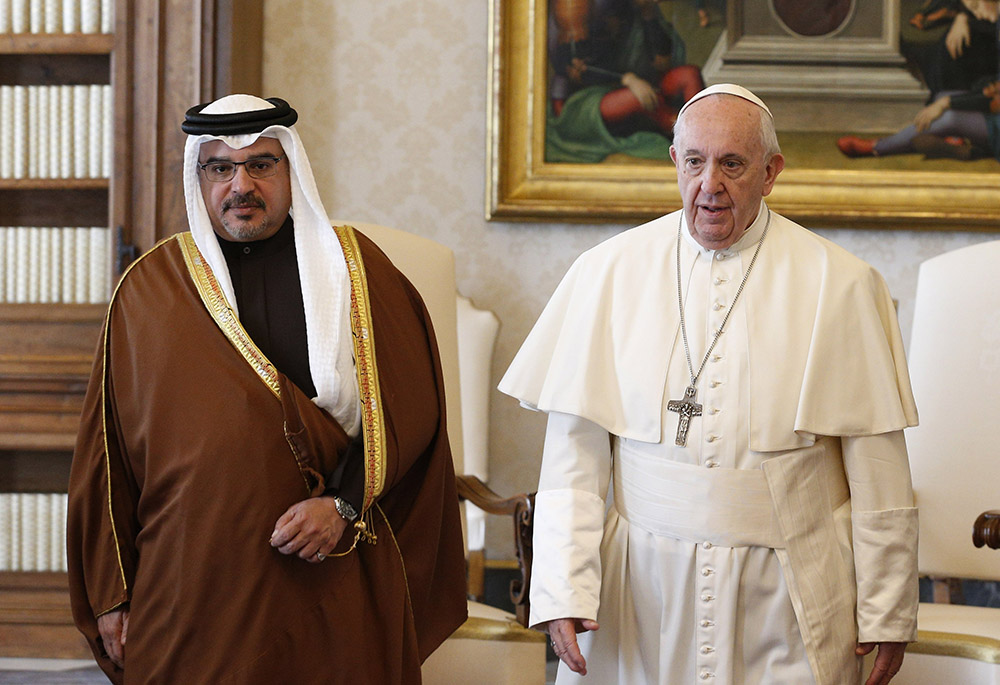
740	384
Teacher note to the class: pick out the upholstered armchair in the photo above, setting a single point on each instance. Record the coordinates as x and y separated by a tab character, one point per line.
954	361
493	646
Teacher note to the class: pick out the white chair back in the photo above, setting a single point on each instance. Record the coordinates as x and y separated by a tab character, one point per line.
430	267
477	334
955	371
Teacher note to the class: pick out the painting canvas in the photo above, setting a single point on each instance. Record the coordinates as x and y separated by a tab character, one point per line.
887	110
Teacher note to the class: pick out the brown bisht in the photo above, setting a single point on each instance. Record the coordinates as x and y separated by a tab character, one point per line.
192	445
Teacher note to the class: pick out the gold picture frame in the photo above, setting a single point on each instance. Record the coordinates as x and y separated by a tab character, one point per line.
522	186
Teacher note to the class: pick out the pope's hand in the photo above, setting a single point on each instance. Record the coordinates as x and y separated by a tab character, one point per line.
310	528
562	632
113	627
887	662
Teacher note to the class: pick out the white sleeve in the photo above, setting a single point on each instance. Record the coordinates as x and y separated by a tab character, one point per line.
569	520
884	524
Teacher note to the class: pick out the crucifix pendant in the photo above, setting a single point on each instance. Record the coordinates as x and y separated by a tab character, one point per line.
687	408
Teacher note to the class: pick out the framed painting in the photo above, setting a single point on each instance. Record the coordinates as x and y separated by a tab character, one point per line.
574	135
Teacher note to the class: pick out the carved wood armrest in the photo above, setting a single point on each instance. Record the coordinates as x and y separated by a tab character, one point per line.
521	508
986	530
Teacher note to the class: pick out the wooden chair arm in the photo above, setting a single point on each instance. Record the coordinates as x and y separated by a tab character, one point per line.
522	509
986	530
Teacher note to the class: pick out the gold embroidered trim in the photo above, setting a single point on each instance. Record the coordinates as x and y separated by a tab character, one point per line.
216	304
402	563
373	421
104	416
298	459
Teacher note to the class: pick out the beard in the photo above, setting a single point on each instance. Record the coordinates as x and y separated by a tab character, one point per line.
243	229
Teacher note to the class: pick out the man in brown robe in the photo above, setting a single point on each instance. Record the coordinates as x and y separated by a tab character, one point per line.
262	489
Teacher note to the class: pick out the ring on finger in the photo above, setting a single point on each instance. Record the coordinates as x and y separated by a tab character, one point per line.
320	556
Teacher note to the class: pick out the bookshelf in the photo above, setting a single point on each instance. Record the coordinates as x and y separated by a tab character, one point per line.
156	58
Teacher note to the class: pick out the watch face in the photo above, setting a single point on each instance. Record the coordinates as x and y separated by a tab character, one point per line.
345	509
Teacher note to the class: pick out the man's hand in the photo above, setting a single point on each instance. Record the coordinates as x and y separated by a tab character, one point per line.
887	662
310	528
929	114
959	36
642	90
562	632
113	627
575	69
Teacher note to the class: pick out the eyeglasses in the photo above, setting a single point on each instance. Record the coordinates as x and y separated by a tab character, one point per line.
258	167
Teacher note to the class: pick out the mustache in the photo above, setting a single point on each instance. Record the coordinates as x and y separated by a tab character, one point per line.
245	200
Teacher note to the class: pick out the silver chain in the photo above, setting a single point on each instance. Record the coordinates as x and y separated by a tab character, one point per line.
680	299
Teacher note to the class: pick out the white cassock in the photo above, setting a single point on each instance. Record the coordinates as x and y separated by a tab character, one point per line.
729	560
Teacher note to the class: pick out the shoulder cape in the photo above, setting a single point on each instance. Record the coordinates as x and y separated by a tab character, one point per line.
826	355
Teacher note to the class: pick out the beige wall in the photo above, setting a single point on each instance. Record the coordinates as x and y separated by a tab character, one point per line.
392	100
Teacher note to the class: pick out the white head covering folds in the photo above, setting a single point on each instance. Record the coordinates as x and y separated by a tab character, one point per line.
322	269
727	89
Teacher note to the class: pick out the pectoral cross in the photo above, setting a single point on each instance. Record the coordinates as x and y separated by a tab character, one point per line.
687	408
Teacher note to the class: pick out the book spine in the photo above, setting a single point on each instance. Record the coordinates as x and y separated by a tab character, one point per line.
81	137
53	16
43	531
56	266
34	264
5	16
65	131
6	522
10	264
3	261
107	135
95	264
36	18
71	16
45	292
67	285
95	132
19	16
15	538
90	16
107	16
21	264
29	531
6	131
41	117
81	278
58	531
20	131
55	128
32	116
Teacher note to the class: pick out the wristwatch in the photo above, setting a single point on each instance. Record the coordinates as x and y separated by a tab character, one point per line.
345	508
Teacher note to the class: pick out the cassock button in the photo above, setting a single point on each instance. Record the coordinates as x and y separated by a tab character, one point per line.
246	250
705	623
707	545
705	675
715	384
717	306
707	571
707	597
711	464
719	280
707	649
